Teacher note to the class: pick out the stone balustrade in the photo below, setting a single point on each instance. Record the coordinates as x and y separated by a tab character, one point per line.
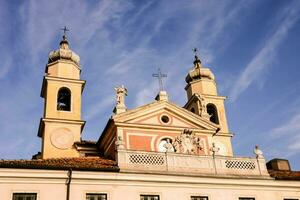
175	163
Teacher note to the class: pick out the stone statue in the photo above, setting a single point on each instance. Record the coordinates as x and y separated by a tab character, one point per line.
203	110
258	152
121	92
119	143
168	146
188	143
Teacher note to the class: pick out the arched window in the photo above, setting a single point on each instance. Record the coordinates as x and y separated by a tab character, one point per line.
64	99
212	111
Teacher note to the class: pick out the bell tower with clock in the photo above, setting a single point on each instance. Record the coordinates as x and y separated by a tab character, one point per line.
62	88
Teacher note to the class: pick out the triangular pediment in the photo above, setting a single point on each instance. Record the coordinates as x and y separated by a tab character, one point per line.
163	113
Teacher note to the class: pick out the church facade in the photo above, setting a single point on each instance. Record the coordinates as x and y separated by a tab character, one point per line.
158	151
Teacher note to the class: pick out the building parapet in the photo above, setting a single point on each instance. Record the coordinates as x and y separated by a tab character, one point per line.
175	163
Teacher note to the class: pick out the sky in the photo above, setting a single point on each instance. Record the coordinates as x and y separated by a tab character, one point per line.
252	47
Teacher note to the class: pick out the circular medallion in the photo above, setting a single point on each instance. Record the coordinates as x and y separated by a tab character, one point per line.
62	138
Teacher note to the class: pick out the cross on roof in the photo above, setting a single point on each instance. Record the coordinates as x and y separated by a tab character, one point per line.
160	76
197	60
65	31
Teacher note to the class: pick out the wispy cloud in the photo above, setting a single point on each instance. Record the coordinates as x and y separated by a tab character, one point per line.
292	126
98	107
267	54
42	25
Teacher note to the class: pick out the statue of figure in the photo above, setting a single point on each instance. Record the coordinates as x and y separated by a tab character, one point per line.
168	145
119	143
176	144
203	109
258	152
121	92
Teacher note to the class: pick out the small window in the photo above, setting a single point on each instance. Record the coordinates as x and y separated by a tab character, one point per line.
212	111
149	197
24	196
165	119
199	198
64	99
246	198
96	196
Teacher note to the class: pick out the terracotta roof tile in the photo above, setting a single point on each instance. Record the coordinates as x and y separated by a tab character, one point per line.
84	163
285	175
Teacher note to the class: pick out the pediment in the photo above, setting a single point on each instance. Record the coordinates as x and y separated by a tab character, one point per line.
165	114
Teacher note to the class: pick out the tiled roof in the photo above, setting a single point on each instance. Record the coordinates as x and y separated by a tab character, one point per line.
84	163
285	175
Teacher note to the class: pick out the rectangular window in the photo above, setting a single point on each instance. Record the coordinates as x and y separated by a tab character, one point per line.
96	196
246	198
24	196
149	197
289	199
199	198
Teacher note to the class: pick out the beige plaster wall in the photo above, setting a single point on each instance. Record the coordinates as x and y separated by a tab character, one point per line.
64	69
49	150
201	86
51	100
51	185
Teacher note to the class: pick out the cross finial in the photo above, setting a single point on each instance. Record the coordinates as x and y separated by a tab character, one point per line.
160	76
65	32
197	61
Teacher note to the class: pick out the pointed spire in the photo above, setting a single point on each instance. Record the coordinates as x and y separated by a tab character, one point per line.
197	61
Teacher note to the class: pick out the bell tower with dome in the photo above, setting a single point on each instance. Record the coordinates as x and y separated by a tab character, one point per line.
62	88
203	100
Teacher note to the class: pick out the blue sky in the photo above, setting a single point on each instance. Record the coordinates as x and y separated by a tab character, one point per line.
251	46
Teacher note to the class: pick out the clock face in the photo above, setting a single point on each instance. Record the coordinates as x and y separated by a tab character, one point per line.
62	138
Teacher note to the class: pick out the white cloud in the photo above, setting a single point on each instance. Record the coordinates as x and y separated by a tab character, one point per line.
98	107
267	54
290	127
42	21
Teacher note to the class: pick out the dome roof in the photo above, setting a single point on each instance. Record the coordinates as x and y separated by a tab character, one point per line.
199	72
63	53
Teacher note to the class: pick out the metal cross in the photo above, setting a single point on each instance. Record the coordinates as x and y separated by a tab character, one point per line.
160	76
65	31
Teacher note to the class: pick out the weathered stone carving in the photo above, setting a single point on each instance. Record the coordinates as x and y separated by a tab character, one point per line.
121	92
188	143
203	110
119	143
258	152
168	146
